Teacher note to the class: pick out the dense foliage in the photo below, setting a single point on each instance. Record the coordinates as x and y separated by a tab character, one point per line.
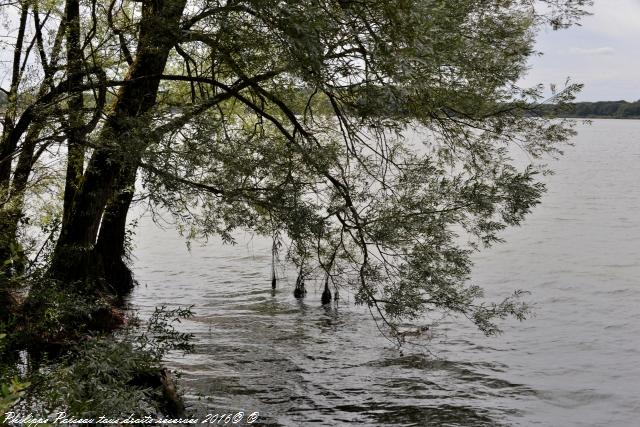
103	374
372	140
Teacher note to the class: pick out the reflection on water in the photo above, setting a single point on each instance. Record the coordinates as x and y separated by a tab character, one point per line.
575	363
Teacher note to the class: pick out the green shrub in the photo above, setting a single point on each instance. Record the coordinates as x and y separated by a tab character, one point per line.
111	374
11	392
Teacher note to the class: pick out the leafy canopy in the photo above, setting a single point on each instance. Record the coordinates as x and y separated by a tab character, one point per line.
375	137
371	139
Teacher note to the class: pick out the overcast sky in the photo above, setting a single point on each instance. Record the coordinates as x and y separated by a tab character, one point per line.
603	53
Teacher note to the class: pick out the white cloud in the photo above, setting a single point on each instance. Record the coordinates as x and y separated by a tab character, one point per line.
603	53
605	50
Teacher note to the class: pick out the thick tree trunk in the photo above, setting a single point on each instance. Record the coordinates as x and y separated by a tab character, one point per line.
75	257
110	248
75	132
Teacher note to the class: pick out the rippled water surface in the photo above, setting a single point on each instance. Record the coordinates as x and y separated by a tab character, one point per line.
577	362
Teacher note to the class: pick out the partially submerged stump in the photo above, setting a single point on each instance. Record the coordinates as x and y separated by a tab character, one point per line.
172	404
300	291
326	294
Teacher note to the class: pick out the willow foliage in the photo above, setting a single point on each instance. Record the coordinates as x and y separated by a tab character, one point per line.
374	137
381	147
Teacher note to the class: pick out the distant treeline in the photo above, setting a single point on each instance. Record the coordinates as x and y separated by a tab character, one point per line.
594	110
587	110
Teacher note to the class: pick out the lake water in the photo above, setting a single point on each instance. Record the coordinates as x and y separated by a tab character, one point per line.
576	363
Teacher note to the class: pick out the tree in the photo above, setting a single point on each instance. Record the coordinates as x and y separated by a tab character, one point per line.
290	118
